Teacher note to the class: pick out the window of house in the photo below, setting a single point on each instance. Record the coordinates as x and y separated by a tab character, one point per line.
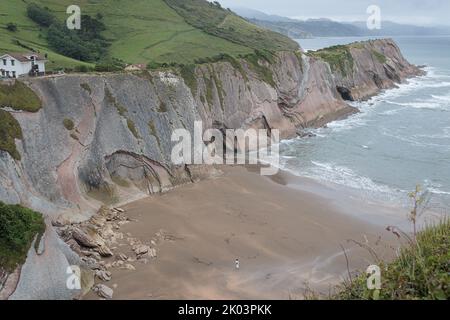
4	62
14	74
13	62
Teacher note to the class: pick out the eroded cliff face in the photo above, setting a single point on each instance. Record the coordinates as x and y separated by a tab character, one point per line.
120	145
119	148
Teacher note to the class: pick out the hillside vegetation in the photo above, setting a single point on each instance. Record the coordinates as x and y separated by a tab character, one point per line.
138	31
215	20
422	271
18	227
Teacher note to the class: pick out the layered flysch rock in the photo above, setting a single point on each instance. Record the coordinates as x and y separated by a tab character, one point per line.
370	66
119	146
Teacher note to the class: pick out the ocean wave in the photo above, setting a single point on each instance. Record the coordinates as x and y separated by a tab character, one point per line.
421	104
414	140
444	98
438	191
347	177
434	188
390	112
430	80
444	135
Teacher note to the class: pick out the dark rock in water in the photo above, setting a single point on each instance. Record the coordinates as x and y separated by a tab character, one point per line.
306	134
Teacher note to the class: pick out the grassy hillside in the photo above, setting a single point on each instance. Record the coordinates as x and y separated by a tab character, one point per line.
215	20
143	31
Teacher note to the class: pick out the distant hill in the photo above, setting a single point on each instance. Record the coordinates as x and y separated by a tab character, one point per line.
259	15
139	31
311	28
327	28
389	28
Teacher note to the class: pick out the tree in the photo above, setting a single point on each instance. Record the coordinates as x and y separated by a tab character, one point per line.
11	27
41	16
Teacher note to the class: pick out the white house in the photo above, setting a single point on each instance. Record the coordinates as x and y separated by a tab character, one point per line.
13	65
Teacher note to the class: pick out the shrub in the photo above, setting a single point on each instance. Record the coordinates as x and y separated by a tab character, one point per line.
68	124
9	131
379	56
188	74
19	97
18	228
338	57
86	87
256	61
132	128
152	65
82	68
11	27
42	16
422	270
107	67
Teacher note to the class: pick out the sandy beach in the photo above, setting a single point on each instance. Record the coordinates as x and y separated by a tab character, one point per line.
286	239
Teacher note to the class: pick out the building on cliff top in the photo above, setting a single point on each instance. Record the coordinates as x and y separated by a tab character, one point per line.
14	65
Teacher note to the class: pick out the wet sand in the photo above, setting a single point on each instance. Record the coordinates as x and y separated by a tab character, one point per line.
286	239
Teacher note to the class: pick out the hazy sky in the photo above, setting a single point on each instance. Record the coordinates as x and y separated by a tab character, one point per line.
423	12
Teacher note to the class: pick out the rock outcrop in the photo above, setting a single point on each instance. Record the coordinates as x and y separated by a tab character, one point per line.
120	145
367	67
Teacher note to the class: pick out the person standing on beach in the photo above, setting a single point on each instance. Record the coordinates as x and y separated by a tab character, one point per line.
237	264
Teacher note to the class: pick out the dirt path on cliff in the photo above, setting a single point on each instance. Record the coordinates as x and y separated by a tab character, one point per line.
286	241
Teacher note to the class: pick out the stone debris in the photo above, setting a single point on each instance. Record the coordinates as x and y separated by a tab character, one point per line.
128	267
83	238
123	257
98	239
103	291
140	249
103	275
104	251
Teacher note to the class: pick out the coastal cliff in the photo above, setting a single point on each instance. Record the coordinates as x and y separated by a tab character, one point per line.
106	138
362	69
120	119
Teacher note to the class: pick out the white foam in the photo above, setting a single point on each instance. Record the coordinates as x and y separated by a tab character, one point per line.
412	140
347	177
437	191
444	98
429	105
391	112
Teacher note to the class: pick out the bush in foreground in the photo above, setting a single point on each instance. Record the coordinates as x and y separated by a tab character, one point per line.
18	228
422	271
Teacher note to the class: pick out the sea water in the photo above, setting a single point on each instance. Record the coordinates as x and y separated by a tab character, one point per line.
400	139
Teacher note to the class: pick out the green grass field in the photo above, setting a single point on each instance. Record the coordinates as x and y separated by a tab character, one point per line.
142	31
